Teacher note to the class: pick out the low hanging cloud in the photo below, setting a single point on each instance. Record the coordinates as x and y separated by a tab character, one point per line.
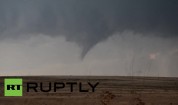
87	22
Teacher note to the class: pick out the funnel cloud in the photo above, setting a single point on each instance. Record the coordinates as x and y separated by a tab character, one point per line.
88	23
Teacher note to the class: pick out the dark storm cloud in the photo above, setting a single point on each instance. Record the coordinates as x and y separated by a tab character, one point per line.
88	22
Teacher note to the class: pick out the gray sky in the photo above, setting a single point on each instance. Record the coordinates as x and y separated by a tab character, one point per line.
84	37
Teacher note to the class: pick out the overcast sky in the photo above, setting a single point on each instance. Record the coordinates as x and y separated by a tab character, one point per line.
86	37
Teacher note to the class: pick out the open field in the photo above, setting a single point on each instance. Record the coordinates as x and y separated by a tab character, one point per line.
110	91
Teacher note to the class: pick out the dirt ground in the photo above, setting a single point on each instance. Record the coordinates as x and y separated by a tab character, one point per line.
110	91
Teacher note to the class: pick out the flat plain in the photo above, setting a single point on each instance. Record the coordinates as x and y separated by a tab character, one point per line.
112	90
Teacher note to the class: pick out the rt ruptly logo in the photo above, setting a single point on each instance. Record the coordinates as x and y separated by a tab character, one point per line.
13	87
